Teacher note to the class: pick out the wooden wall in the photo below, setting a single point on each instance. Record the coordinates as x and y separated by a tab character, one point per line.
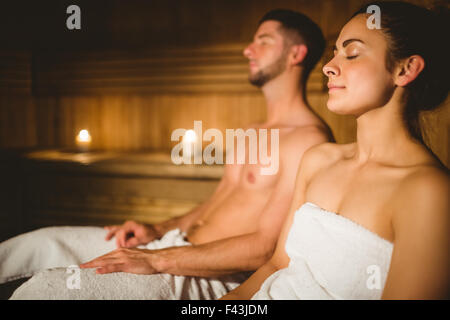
140	69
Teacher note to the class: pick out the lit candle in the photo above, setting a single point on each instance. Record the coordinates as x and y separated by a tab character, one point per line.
83	140
189	139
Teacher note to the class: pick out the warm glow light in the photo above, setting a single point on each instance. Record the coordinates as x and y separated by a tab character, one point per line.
84	136
83	140
189	139
189	136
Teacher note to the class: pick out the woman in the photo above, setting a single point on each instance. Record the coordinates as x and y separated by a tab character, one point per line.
370	219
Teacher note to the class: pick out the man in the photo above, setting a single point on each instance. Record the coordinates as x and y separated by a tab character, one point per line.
205	253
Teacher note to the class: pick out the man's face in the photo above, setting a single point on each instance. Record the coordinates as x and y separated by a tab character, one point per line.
267	53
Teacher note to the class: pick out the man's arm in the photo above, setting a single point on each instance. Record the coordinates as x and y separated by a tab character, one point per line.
245	252
227	183
131	233
240	253
185	221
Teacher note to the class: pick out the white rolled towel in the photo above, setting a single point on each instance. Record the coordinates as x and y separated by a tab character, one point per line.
52	247
84	284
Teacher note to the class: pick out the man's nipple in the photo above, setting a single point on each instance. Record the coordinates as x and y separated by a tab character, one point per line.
251	177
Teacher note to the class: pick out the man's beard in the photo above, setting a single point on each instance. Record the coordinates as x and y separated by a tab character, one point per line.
268	73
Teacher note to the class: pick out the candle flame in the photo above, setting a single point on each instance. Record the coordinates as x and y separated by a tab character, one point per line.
84	136
189	136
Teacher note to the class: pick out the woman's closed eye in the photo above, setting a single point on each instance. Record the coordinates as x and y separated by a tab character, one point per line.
351	57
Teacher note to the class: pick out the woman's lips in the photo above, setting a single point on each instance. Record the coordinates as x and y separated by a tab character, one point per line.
334	87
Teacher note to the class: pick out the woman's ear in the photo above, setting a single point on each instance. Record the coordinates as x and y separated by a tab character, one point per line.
408	70
299	52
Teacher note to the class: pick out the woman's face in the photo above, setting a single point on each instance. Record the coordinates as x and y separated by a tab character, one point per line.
358	80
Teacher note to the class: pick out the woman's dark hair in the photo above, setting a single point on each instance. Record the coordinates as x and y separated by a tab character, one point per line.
306	30
413	30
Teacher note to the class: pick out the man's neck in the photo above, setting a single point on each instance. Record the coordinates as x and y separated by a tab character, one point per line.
285	100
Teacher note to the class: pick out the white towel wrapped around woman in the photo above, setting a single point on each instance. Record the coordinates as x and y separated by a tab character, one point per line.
331	257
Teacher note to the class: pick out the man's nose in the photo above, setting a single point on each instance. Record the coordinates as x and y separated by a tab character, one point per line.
248	51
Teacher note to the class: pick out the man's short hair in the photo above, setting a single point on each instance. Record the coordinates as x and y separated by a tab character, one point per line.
306	31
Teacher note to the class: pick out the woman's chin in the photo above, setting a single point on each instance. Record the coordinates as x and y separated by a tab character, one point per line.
338	108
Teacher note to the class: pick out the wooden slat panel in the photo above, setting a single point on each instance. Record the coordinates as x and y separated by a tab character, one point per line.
15	73
219	69
58	198
133	99
136	165
82	191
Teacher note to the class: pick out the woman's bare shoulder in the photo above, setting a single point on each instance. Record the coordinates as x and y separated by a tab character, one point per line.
327	153
322	156
429	177
426	187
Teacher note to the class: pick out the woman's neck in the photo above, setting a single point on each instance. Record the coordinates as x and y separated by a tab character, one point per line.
382	136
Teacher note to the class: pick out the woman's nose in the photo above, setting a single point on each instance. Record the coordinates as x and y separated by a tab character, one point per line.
330	70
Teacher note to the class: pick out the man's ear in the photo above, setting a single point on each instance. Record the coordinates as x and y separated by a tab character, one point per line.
299	52
408	70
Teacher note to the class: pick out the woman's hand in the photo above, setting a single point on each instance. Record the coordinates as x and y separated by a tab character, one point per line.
131	234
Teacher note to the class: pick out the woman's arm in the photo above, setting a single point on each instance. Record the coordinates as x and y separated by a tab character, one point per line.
420	264
311	161
278	261
247	289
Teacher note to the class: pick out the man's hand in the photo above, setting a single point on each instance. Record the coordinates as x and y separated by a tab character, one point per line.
138	261
131	234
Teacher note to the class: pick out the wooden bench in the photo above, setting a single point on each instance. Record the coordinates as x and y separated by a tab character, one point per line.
61	187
